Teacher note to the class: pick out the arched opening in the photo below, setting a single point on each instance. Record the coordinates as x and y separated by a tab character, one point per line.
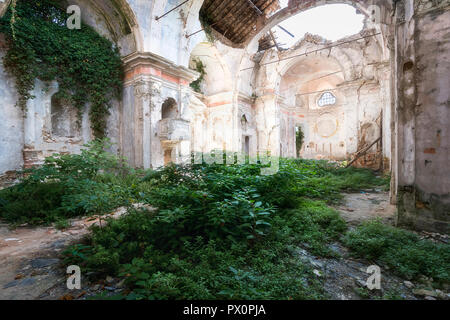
169	109
344	19
114	20
215	77
332	75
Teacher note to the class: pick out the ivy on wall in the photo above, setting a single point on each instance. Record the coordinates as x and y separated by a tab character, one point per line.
200	68
206	22
86	66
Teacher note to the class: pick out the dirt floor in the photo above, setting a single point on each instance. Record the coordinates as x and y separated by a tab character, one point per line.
31	265
367	205
30	262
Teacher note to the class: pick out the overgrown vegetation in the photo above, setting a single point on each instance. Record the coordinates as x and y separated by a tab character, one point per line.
299	138
219	231
200	68
86	66
404	252
206	22
65	186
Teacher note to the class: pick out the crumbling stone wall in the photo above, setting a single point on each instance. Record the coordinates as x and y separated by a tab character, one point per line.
11	126
423	114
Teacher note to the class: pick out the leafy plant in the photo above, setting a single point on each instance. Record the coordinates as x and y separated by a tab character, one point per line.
69	185
207	23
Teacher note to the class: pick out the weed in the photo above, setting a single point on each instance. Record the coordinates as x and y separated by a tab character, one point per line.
401	250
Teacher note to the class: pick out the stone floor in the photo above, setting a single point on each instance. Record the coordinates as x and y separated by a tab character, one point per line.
367	205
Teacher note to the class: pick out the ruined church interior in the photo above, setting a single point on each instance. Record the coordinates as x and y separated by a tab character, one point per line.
175	110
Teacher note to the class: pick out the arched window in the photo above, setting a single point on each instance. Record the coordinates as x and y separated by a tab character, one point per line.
326	99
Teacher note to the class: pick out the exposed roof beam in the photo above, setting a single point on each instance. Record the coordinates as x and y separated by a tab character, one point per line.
254	7
274	40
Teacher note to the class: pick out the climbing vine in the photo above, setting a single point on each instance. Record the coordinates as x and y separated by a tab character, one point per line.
206	22
86	66
200	68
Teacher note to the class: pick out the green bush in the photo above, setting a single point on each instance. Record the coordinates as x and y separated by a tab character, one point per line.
93	182
34	204
313	223
401	250
219	232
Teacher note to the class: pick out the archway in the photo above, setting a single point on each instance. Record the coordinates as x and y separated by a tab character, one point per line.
114	20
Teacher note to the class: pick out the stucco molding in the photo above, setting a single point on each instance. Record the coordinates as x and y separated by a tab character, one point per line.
159	66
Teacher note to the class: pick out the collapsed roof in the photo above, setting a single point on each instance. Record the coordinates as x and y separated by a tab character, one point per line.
237	20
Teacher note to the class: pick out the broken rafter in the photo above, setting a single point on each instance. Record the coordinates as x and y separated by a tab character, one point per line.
255	7
249	23
360	153
236	17
246	23
222	5
211	25
274	40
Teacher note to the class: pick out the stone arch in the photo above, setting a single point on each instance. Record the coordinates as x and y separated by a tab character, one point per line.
218	77
385	26
191	25
312	68
338	56
114	20
297	6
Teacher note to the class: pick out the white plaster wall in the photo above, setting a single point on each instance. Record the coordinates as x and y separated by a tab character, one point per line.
167	36
11	124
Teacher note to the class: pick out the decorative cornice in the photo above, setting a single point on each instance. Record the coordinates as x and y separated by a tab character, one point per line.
149	63
242	97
